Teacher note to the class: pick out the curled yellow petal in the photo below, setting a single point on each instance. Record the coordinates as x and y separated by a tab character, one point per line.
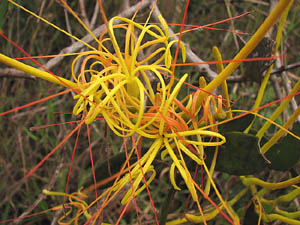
172	177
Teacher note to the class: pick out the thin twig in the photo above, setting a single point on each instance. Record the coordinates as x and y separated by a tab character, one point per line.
190	55
83	13
88	38
41	196
276	87
42	9
227	3
288	88
284	68
95	16
21	150
13	73
56	216
31	112
68	23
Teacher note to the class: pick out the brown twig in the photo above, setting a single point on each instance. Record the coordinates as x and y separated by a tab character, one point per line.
68	23
83	13
190	55
56	216
88	38
95	16
42	9
31	112
13	73
284	68
41	196
228	4
276	87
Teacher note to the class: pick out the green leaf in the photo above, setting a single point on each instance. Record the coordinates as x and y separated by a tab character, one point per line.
30	134
251	216
285	154
240	155
239	124
254	70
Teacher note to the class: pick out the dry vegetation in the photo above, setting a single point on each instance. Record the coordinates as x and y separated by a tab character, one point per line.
23	144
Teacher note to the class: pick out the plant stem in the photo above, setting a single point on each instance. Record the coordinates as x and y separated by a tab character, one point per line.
166	205
36	72
247	49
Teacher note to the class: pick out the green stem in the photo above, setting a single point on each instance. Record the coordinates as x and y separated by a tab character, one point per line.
247	49
166	205
272	186
278	111
36	72
281	132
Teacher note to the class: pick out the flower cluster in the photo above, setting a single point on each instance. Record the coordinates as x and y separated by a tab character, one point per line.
118	87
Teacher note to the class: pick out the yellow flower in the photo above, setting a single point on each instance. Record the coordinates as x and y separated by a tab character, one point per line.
75	200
